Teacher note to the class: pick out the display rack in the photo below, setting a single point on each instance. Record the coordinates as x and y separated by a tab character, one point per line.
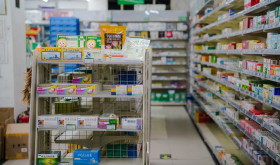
123	146
208	31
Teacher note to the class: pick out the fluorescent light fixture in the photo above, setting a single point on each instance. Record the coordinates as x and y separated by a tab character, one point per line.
88	0
45	0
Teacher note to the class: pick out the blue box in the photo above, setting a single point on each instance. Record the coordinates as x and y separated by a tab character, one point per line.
86	156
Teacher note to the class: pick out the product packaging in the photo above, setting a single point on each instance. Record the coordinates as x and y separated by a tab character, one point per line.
87	122
135	90
73	54
86	156
89	89
131	123
112	40
81	78
47	121
49	157
51	54
68	121
66	89
108	119
93	42
74	41
119	90
134	48
46	89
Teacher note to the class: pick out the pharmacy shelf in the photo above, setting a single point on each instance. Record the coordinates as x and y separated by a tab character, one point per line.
109	161
243	71
254	9
169	39
216	10
168	48
127	62
169	72
208	3
245	112
235	123
168	87
101	94
171	79
170	55
234	140
241	52
97	129
258	29
174	63
159	103
238	89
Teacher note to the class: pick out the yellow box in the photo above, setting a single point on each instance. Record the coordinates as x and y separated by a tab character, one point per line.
239	46
198	47
72	54
251	43
51	54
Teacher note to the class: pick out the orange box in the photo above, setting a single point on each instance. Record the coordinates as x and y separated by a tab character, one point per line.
226	75
273	69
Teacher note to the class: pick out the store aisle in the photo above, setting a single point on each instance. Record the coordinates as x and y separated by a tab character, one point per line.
173	133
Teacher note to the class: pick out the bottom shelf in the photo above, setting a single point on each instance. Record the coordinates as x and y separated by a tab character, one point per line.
157	103
214	137
109	161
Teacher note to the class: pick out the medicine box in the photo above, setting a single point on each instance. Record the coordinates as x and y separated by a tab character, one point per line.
46	89
89	89
119	90
75	41
49	157
63	121
82	78
87	122
47	121
131	123
51	54
86	156
135	90
93	42
66	89
73	54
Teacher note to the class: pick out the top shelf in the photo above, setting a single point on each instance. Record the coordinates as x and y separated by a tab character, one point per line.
252	10
130	62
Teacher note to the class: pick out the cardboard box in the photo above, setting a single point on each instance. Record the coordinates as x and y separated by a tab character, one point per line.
17	141
6	117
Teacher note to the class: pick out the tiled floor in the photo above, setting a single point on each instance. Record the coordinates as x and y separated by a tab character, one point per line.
172	133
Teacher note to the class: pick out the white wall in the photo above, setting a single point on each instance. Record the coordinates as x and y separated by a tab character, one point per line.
98	5
180	5
12	73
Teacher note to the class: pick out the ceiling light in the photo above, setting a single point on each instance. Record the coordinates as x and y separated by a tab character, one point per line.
45	0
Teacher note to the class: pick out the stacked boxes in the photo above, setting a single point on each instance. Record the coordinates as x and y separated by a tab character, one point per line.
63	25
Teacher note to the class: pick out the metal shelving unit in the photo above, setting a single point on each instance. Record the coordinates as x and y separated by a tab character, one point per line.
59	139
211	24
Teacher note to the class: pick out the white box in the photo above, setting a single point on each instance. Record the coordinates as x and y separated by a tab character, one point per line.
63	121
87	122
131	123
47	121
135	90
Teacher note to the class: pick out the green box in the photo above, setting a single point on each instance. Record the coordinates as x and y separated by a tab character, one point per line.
177	97
117	151
93	42
157	96
113	121
171	95
183	97
49	158
164	97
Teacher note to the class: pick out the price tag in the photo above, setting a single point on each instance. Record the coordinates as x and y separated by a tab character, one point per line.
71	127
89	60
